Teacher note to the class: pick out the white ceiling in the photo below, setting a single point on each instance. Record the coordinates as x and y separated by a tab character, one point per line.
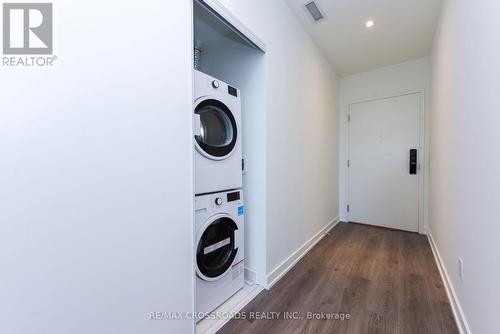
404	30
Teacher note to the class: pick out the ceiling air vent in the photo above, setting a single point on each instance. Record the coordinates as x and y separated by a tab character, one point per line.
313	9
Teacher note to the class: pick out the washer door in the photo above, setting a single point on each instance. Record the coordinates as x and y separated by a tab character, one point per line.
216	250
217	133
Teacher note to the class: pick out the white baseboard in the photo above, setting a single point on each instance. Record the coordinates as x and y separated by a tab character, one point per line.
233	305
458	313
288	264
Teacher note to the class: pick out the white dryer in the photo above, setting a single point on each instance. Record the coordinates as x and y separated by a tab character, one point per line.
219	248
217	134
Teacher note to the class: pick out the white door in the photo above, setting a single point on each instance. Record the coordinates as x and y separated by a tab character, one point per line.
384	172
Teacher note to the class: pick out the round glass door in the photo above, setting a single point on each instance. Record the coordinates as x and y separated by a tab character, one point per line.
215	252
218	132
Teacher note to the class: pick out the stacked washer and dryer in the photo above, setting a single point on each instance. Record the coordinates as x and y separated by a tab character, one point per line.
219	207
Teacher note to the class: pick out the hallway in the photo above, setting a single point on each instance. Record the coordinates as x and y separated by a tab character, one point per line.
386	280
250	167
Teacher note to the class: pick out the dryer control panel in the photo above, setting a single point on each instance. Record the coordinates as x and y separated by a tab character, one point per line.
219	87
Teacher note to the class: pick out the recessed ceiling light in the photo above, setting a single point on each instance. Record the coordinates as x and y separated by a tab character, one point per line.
369	24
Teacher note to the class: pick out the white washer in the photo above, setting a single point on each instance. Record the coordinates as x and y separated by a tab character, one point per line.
219	258
217	134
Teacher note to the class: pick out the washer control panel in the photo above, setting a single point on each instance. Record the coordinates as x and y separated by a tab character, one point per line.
220	201
233	196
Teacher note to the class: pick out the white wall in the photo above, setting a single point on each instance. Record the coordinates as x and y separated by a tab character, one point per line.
300	130
96	179
412	76
465	163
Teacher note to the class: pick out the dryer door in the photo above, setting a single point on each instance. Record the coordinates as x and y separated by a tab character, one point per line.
216	250
217	133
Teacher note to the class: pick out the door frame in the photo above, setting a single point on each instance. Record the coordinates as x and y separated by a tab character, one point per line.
422	170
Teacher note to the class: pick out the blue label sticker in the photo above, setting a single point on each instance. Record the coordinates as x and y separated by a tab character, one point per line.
241	210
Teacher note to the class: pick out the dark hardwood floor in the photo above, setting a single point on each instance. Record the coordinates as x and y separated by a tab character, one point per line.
387	281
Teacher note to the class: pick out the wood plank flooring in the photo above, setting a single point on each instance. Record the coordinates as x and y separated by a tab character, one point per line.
387	281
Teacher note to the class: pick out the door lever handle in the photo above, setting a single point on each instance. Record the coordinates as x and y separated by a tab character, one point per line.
413	161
